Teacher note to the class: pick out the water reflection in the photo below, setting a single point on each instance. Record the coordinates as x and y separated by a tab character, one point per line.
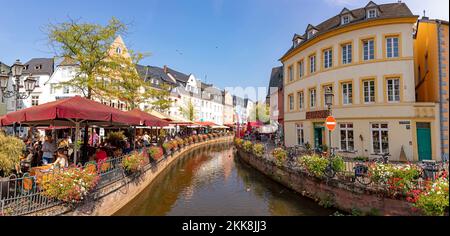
212	181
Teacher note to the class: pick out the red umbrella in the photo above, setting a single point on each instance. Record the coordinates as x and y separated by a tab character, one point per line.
71	109
68	112
149	120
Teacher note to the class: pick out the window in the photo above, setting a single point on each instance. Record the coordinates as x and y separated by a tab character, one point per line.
310	34
345	20
301	100
119	50
328	58
66	89
301	69
347	93
291	102
347	53
325	89
52	88
34	101
392	47
393	90
300	134
312	64
346	137
312	98
380	138
372	13
368	49
291	73
369	91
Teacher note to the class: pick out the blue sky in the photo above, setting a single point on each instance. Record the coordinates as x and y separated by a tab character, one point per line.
228	42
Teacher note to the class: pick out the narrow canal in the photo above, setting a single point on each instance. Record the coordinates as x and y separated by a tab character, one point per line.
212	181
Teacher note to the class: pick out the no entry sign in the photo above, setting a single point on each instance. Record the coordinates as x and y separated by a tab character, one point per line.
330	123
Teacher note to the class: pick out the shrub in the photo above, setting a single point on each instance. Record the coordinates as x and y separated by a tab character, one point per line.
70	185
404	178
337	163
247	146
280	155
381	173
133	162
434	200
258	150
314	164
11	149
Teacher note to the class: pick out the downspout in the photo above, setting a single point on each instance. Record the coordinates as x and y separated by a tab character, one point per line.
441	95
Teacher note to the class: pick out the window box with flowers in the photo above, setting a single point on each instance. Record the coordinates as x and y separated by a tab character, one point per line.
133	163
71	185
156	153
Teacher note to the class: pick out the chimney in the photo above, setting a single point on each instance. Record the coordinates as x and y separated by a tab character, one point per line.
165	69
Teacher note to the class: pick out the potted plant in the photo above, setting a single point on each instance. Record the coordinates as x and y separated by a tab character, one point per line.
247	146
174	145
115	138
133	163
167	146
180	142
156	153
280	156
258	150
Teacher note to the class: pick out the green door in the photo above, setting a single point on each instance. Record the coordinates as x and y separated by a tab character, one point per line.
424	141
318	137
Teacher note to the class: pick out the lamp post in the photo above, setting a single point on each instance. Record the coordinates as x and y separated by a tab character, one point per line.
29	84
329	101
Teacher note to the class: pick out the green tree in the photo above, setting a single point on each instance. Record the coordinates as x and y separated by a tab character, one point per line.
88	46
10	150
260	112
188	111
161	98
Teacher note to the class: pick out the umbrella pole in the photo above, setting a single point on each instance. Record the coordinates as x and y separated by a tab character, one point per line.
75	150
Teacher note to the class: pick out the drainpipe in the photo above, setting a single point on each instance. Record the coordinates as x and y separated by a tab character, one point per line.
441	95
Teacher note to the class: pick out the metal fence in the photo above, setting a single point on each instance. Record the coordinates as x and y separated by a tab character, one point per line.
22	196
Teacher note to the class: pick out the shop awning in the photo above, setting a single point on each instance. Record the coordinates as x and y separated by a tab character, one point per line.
180	121
148	119
219	127
205	123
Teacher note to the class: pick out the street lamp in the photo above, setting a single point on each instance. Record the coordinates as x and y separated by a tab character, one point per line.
29	84
329	101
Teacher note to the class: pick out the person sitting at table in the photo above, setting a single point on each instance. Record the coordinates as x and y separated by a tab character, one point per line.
100	155
62	161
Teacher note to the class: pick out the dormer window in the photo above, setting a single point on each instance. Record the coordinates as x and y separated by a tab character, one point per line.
345	20
38	67
310	34
372	13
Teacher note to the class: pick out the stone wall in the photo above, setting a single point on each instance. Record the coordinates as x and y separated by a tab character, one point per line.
343	195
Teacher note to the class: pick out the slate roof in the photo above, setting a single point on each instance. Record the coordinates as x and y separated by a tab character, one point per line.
149	72
178	75
276	79
386	11
39	66
4	68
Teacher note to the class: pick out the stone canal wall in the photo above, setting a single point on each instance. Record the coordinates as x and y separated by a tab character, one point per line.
109	199
343	195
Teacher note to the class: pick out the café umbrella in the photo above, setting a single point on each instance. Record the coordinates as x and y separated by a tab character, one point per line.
74	111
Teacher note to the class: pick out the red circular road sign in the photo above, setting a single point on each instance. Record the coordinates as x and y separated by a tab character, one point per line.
330	123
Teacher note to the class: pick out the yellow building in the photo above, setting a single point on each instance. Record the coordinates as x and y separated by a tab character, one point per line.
431	62
366	58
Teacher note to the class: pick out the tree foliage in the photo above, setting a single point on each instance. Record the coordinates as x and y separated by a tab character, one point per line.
10	151
260	112
188	111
